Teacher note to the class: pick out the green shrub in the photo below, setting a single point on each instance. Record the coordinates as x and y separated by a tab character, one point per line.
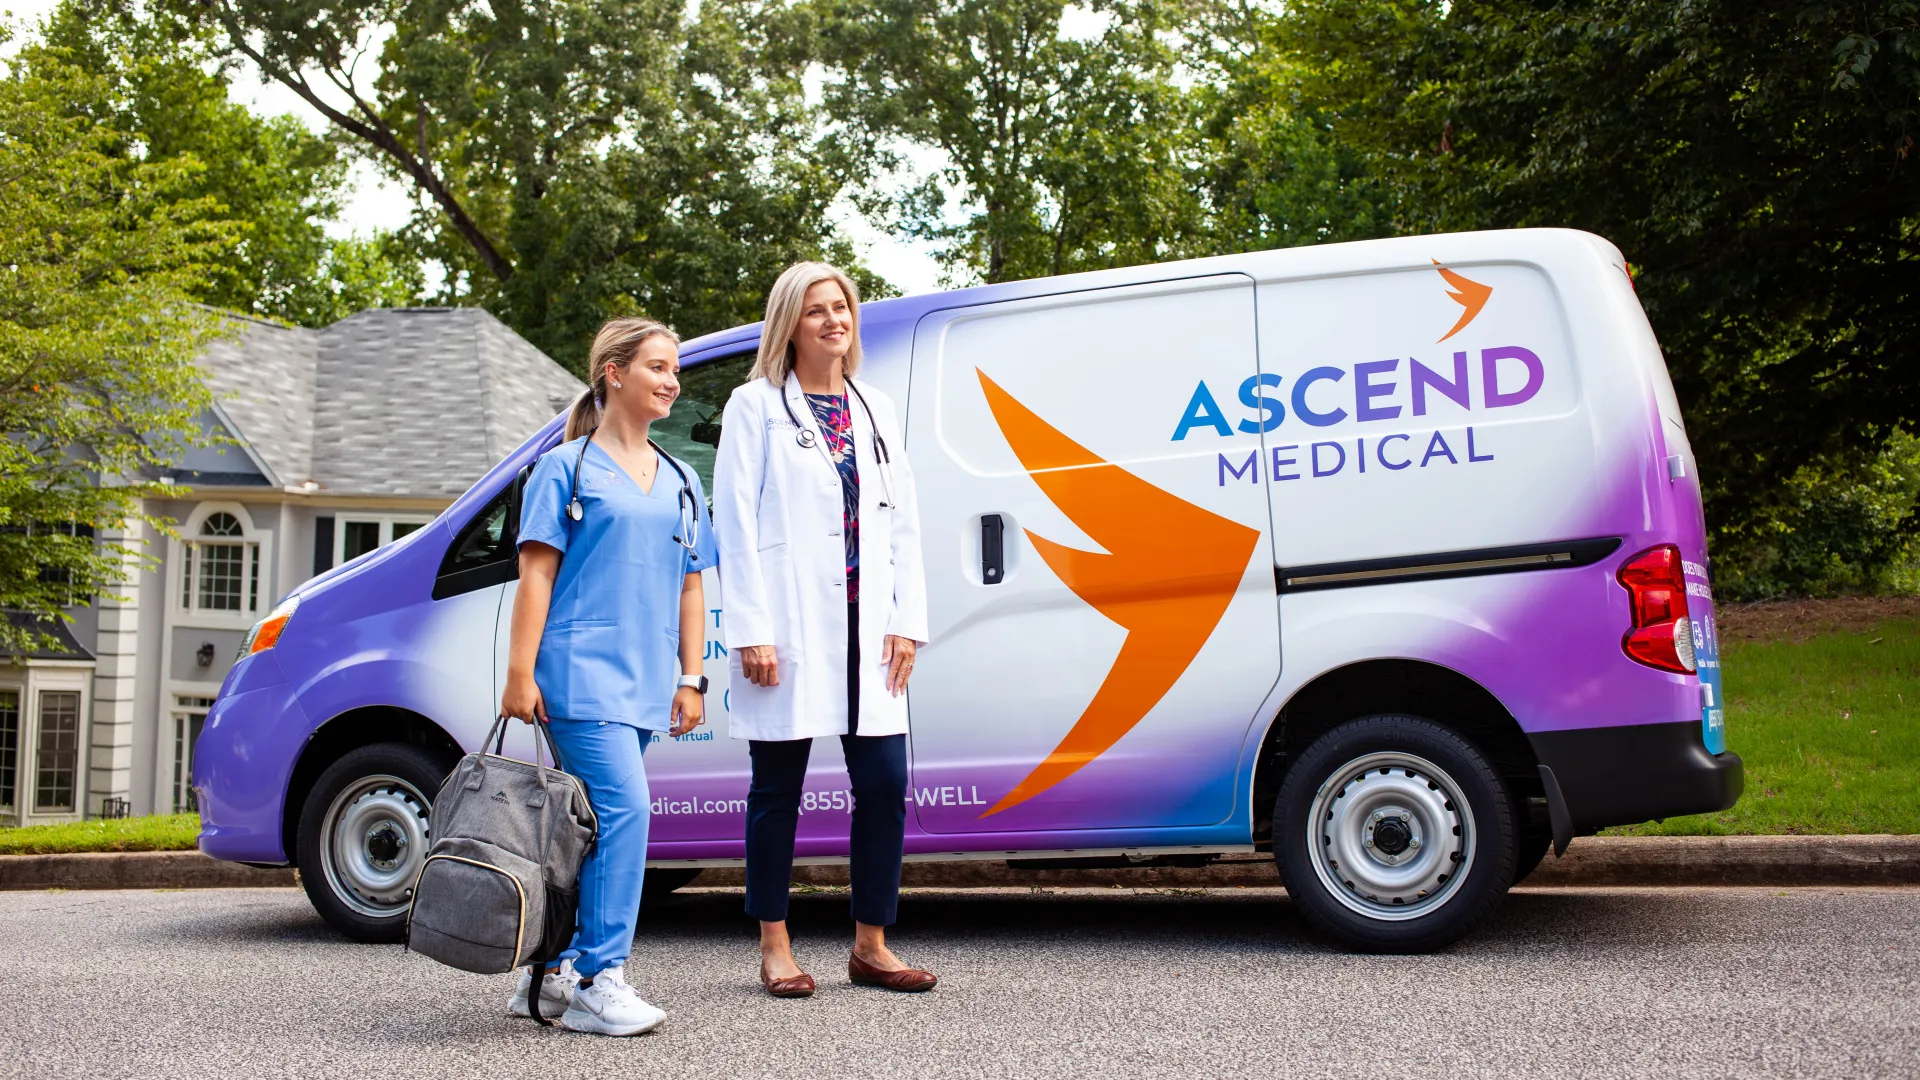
1838	530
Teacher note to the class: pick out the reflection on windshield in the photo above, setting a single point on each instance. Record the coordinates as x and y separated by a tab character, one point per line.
703	393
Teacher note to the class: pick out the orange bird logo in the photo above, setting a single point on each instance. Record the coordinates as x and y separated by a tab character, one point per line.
1169	572
1466	292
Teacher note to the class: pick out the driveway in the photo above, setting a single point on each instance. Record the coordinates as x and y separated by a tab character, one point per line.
1114	983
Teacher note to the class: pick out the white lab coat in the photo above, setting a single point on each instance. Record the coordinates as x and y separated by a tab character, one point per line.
778	515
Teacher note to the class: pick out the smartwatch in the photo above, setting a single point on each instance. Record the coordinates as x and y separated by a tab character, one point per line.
698	682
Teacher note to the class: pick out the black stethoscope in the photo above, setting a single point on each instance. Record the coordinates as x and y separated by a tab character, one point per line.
807	440
689	516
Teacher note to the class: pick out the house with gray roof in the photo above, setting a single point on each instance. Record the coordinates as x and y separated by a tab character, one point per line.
341	440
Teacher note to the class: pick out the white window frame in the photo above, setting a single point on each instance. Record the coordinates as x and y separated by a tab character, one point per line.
35	678
183	581
341	518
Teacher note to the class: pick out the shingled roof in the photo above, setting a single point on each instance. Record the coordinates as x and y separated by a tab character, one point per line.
395	401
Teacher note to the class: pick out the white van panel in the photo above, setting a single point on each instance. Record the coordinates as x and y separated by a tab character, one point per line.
1118	663
1423	413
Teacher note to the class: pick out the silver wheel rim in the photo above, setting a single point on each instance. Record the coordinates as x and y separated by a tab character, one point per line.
1390	836
373	840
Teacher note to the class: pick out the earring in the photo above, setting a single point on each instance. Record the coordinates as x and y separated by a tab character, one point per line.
616	385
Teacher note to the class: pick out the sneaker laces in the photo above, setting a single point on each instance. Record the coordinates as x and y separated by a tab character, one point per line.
614	980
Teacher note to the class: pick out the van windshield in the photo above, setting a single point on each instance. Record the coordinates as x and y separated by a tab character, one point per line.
691	432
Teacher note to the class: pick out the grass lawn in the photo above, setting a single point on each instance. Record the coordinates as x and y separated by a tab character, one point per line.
162	832
1817	708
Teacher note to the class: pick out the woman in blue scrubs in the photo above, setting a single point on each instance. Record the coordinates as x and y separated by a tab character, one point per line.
613	536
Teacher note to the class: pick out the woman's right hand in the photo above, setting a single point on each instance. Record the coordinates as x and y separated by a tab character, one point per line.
522	700
760	666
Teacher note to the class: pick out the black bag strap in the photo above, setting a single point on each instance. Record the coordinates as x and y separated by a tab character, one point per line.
539	973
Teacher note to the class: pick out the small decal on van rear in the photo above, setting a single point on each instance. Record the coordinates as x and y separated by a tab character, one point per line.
1466	292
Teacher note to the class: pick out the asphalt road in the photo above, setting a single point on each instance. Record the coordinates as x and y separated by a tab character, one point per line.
1573	983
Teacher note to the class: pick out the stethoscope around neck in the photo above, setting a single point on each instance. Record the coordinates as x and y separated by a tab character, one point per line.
808	440
687	536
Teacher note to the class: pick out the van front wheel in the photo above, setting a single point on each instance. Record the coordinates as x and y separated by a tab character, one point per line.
1393	834
364	836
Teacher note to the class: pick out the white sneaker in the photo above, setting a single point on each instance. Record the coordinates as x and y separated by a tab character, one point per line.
610	1007
556	990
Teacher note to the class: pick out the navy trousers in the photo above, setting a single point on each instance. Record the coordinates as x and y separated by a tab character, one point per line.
877	767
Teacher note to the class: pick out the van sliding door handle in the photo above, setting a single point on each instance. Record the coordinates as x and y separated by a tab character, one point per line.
993	563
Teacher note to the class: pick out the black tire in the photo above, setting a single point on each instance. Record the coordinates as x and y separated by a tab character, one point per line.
662	881
375	801
1528	851
1421	870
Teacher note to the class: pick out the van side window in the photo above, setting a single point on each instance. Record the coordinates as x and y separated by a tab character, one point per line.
484	553
691	431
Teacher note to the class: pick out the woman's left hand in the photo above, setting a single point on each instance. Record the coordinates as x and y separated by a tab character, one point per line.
898	654
689	710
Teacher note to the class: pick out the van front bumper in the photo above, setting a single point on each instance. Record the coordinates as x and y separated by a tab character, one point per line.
1596	777
242	763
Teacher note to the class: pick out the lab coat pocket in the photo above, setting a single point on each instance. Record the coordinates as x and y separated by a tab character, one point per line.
783	602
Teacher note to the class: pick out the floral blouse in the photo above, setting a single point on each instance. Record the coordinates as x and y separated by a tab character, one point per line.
836	422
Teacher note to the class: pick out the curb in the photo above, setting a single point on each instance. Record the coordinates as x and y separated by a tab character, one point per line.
134	870
1643	861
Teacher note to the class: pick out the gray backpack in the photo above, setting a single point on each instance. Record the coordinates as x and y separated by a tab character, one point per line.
500	888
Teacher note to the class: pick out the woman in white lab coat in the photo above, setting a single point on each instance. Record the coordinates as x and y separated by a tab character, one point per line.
823	607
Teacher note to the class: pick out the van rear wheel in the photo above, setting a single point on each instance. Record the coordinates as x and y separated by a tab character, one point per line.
1393	834
364	835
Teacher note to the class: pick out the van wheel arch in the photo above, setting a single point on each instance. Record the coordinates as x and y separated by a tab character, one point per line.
346	733
1396	686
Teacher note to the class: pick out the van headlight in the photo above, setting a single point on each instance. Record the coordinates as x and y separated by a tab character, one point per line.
266	633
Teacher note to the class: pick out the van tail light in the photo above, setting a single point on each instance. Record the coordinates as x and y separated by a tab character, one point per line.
266	633
1662	635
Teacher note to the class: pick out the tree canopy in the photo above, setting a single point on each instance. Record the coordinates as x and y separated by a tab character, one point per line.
1754	159
167	94
99	254
577	159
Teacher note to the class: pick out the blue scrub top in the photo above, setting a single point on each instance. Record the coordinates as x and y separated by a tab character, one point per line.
611	649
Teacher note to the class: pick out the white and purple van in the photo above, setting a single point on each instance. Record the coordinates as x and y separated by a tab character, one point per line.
1385	557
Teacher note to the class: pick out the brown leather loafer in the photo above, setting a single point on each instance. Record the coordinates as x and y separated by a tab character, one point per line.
906	980
799	986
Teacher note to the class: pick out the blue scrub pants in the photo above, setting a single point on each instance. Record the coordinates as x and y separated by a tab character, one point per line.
608	759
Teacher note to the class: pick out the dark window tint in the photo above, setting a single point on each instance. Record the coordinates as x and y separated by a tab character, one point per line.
322	544
9	746
704	390
484	553
59	749
359	537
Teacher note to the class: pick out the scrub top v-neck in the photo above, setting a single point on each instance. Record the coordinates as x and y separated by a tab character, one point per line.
610	650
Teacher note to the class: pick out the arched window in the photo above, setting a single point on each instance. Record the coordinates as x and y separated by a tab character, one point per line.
221	568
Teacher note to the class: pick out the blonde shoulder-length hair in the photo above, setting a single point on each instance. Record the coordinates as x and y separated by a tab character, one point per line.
785	304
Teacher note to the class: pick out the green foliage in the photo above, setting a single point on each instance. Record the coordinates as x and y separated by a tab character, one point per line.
1069	153
161	832
578	159
99	254
279	182
1754	159
1275	175
1836	531
1830	742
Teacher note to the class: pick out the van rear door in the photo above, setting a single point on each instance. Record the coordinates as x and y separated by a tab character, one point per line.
1105	624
